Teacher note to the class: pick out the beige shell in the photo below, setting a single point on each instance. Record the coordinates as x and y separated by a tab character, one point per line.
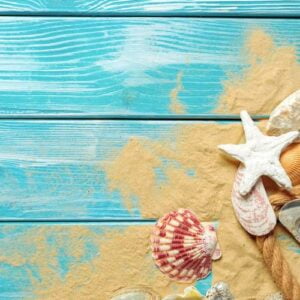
290	160
136	293
286	116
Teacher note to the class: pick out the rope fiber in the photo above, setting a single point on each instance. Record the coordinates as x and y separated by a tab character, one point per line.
272	253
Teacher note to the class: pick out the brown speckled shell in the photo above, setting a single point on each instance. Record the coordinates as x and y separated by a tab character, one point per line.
290	161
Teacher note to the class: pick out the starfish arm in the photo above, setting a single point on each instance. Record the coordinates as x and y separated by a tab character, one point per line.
236	151
278	174
249	180
251	131
279	143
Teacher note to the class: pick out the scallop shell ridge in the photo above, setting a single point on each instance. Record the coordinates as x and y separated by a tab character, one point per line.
290	161
182	247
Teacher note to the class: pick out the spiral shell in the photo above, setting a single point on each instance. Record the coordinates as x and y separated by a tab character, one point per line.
183	247
290	160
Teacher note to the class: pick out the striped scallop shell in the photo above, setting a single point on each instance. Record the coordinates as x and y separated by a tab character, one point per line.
290	160
182	247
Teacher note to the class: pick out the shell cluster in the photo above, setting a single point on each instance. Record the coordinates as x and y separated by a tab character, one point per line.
183	247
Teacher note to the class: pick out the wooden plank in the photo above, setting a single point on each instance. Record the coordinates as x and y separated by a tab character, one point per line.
68	260
57	170
108	67
154	7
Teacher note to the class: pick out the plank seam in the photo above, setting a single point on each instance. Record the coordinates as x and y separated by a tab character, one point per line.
134	118
156	15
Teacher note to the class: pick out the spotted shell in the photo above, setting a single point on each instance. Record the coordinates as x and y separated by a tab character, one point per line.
136	293
290	160
219	291
183	247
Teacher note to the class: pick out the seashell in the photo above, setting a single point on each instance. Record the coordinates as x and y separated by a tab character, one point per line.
290	160
219	291
289	217
136	293
276	296
253	210
286	116
190	293
183	247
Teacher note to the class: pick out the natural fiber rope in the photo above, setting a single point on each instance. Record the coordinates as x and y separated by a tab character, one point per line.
272	253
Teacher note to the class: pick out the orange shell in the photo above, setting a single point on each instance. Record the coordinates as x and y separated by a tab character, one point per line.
290	160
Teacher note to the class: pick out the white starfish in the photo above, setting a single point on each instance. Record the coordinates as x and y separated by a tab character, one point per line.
260	155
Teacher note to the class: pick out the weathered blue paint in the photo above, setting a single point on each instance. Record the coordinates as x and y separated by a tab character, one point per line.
111	68
153	7
120	67
204	284
54	169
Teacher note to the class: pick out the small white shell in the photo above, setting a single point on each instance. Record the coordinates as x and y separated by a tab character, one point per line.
183	247
286	116
138	293
289	217
190	293
219	291
254	210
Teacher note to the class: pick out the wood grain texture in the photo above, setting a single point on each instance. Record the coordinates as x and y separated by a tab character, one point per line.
54	170
154	7
122	66
37	259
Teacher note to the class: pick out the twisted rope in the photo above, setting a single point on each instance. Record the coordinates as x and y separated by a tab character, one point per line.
272	253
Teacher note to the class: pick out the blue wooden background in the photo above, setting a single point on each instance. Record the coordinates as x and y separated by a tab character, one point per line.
72	72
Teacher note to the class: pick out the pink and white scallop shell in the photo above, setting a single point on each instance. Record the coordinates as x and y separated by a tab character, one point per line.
183	247
253	210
